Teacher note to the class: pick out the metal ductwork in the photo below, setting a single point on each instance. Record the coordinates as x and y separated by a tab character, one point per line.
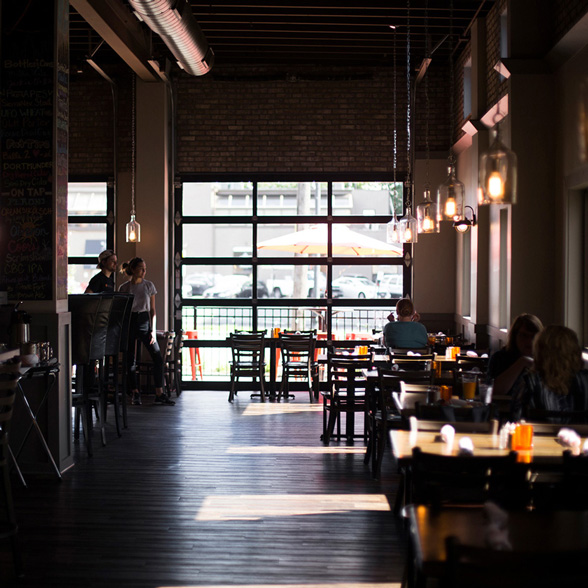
174	22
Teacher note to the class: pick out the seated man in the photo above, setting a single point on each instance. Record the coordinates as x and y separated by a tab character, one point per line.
406	332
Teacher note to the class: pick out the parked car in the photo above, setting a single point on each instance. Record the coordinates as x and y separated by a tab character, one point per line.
196	284
226	286
354	287
390	286
247	290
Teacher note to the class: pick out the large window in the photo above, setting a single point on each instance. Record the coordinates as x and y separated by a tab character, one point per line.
285	254
90	230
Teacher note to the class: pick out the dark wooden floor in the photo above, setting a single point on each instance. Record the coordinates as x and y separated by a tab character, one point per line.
208	494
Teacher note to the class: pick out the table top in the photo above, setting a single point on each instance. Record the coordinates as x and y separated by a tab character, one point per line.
545	447
527	531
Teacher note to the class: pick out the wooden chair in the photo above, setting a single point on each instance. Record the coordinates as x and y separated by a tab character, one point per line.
490	427
248	351
346	395
173	366
8	526
480	413
298	352
541	428
165	340
572	492
560	417
441	480
482	567
386	412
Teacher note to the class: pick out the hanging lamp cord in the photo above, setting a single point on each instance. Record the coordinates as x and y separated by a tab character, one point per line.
408	201
133	146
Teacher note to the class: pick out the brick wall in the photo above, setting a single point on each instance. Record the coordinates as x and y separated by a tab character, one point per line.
256	121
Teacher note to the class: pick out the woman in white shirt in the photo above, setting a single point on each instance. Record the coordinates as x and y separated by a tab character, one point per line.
142	328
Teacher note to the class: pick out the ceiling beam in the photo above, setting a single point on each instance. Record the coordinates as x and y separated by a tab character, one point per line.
114	22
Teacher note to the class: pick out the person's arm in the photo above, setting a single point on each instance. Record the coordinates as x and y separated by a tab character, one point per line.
152	319
88	291
504	382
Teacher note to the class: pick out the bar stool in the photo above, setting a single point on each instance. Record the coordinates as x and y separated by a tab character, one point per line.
118	330
89	322
194	352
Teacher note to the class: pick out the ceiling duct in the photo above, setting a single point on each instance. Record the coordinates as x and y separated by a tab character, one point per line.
174	22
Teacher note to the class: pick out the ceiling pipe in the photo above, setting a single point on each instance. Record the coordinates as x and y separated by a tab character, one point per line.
174	22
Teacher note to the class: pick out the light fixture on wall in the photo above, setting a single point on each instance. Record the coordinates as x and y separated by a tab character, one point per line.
464	224
392	227
407	225
427	221
450	194
133	230
498	172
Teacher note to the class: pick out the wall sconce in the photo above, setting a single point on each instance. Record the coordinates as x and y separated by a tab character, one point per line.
463	225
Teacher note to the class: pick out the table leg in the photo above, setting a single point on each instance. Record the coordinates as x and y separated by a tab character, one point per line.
35	425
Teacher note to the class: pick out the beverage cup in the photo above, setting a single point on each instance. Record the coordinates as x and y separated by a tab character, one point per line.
485	393
468	385
523	437
446	392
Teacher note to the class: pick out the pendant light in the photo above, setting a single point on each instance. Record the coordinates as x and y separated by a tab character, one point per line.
427	220
133	229
450	194
407	225
392	227
498	172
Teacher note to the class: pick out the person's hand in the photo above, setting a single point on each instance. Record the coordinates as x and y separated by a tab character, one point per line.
152	340
391	317
526	361
416	317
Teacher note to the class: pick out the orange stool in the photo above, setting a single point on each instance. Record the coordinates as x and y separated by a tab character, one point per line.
193	352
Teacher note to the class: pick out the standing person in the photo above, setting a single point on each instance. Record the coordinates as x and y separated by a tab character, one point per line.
142	328
406	332
508	365
104	280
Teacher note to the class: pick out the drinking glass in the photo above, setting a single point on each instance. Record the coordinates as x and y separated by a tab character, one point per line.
523	437
468	385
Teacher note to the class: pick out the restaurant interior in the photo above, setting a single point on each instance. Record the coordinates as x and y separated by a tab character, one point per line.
450	137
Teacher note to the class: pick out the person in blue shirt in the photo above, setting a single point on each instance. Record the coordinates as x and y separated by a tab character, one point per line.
405	332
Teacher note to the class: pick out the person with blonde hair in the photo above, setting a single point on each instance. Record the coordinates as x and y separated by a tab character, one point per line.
508	365
558	381
406	332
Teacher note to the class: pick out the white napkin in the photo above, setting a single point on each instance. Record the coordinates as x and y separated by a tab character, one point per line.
447	434
466	446
585	448
484	355
471	353
414	425
569	438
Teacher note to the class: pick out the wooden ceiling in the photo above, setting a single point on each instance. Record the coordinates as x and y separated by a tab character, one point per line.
287	34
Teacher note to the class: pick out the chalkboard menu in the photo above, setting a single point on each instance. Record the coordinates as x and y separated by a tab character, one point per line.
29	147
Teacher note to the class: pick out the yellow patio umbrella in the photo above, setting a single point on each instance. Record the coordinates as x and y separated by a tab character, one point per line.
313	241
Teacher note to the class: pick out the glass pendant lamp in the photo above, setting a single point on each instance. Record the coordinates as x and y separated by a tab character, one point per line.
498	174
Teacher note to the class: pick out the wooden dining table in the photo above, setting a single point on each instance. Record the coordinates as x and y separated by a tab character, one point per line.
546	449
540	531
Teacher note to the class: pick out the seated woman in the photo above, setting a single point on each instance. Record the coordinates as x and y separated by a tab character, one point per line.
507	366
557	382
406	332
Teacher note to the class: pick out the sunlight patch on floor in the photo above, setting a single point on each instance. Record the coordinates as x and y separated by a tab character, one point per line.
254	507
330	585
273	449
280	408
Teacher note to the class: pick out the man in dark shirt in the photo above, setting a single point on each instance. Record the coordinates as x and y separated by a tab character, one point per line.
104	280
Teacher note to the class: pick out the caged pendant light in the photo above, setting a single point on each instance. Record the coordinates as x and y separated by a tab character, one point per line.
498	172
451	193
133	229
407	225
427	221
